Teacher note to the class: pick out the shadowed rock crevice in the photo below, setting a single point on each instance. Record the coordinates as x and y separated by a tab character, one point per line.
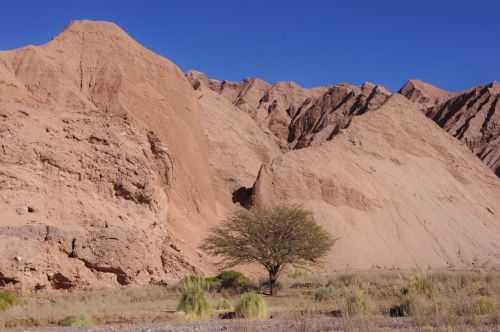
243	196
121	277
59	281
5	280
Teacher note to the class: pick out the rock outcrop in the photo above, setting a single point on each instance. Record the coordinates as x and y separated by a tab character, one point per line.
474	118
424	93
238	145
297	116
103	164
320	119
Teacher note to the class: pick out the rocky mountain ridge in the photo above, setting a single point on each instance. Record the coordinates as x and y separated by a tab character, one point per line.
114	165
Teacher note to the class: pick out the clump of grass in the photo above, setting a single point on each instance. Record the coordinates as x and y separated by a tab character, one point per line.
224	305
193	301
324	294
7	300
483	305
194	304
421	285
346	280
81	320
415	305
252	306
357	302
195	282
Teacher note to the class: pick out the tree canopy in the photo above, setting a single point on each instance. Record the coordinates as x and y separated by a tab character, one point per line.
272	237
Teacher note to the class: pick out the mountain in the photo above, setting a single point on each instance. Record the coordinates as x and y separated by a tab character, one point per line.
472	116
396	190
298	117
424	93
114	165
103	168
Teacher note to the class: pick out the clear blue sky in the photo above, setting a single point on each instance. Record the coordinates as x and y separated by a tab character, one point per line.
450	43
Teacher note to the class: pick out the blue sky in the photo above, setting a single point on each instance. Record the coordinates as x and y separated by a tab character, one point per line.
452	44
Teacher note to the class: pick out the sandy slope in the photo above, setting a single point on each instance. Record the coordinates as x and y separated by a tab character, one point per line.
396	190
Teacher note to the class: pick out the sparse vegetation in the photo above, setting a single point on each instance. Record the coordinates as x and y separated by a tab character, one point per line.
193	301
196	282
252	306
80	320
356	302
422	286
460	301
7	300
274	238
324	294
484	305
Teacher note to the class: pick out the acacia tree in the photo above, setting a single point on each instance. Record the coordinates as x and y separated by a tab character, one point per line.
272	237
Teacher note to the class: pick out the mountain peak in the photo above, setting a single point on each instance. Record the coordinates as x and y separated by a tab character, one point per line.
422	92
88	30
93	26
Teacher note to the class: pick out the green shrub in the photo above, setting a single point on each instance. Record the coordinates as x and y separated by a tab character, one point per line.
224	305
324	294
81	320
357	302
194	304
483	306
252	306
233	280
7	300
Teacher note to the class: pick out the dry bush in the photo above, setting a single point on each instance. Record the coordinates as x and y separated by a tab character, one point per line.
193	301
324	294
252	306
81	320
484	305
356	302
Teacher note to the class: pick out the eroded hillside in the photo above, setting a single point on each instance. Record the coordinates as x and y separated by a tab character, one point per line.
114	165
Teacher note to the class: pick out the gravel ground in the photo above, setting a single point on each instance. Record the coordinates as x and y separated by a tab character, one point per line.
275	325
328	324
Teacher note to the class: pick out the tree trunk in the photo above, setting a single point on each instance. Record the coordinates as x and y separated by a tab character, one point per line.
272	282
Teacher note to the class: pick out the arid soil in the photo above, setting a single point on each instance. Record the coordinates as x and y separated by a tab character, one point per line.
316	325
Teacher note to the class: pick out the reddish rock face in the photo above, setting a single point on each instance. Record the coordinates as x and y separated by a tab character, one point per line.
424	93
472	116
297	116
320	119
114	166
103	164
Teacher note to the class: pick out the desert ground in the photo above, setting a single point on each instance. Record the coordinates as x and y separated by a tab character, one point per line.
442	301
